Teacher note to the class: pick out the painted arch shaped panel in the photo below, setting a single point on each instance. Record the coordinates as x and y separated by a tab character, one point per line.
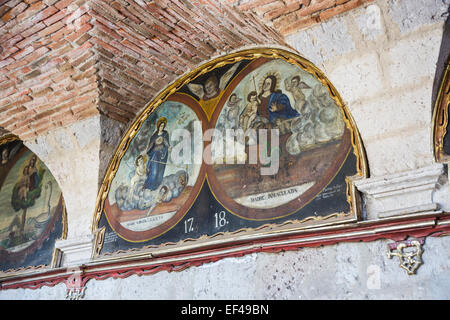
251	142
32	210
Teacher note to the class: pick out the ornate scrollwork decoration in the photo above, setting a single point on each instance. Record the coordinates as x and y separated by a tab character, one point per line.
409	260
75	285
441	116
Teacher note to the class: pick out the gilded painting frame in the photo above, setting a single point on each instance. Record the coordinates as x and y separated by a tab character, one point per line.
440	117
267	230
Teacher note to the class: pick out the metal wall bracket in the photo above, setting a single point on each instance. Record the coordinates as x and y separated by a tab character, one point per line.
409	253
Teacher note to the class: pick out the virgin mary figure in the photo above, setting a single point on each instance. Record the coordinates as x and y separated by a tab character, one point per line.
157	152
274	103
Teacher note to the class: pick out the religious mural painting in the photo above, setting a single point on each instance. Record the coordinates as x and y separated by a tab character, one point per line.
252	140
32	213
150	192
312	141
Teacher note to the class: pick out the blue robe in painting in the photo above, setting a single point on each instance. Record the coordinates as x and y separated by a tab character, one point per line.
157	159
287	112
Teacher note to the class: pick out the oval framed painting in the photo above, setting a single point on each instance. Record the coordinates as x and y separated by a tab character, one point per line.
290	140
151	190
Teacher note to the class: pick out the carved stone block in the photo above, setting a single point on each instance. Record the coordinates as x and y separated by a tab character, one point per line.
403	193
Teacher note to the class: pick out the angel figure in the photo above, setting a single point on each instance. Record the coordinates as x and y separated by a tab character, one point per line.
232	113
295	86
7	154
24	184
250	111
139	173
211	90
159	197
329	121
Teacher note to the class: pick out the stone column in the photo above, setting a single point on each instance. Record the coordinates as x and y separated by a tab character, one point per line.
77	156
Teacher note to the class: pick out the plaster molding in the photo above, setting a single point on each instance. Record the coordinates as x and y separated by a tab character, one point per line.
76	251
402	193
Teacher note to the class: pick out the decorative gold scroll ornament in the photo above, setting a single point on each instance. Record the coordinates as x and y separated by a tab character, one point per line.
409	261
440	117
250	54
8	138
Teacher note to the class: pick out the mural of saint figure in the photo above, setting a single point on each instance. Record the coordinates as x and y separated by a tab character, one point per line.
274	103
277	95
157	152
151	189
27	189
35	178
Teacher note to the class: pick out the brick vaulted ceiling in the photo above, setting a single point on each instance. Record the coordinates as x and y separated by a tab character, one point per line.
63	61
288	16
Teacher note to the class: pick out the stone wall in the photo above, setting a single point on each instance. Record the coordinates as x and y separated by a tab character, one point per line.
386	59
382	58
342	271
